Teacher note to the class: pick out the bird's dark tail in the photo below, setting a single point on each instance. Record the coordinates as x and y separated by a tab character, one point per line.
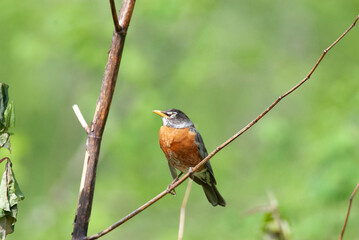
213	196
206	179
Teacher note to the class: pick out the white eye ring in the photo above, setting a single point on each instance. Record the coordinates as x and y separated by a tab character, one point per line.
172	114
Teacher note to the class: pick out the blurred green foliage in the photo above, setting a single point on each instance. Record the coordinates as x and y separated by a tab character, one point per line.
222	63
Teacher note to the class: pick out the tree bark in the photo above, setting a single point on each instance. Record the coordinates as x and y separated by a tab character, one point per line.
98	123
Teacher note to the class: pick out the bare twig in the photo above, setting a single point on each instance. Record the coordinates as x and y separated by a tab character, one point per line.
126	14
98	123
348	212
131	215
114	16
80	118
181	180
183	210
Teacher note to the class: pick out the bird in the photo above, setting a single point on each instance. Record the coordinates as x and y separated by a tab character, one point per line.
184	148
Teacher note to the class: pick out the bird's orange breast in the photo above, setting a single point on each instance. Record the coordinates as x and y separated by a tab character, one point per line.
179	146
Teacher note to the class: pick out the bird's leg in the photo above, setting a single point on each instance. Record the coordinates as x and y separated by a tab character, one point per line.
176	178
173	192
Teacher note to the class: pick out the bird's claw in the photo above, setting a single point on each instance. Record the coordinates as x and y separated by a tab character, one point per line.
173	192
168	189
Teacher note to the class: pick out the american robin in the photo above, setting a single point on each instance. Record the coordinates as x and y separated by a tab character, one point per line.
184	148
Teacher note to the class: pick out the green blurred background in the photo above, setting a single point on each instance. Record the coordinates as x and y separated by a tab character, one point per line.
222	63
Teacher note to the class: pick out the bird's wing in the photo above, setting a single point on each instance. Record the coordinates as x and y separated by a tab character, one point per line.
172	170
203	153
200	144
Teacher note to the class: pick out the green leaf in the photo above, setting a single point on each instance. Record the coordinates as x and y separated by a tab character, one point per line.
4	99
5	141
9	115
10	196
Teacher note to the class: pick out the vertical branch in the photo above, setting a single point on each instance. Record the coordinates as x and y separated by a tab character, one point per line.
94	137
183	210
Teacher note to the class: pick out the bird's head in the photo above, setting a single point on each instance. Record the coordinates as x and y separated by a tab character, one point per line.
174	118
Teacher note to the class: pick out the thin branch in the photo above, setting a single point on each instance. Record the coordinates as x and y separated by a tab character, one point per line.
181	180
98	123
183	210
348	212
114	16
129	216
126	14
81	118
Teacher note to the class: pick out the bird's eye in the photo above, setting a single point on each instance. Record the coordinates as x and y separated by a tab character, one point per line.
171	114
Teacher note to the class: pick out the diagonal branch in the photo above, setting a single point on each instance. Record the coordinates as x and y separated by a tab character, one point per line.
348	212
98	123
260	116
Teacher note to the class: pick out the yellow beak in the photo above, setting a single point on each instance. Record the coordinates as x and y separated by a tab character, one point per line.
158	112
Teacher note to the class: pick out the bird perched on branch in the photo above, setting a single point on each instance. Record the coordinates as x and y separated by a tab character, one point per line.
183	147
